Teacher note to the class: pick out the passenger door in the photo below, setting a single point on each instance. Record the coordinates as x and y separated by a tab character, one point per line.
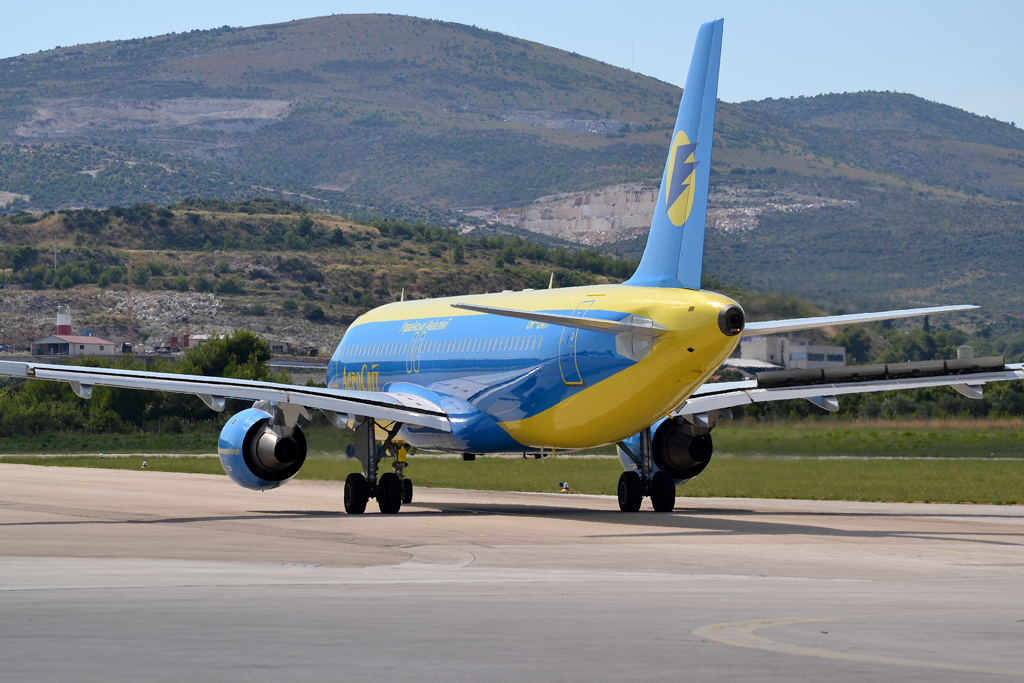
567	348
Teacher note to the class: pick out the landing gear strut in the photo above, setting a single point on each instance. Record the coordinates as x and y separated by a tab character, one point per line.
633	485
391	489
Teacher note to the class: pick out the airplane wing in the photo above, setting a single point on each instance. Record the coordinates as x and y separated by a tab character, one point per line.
794	324
336	404
823	386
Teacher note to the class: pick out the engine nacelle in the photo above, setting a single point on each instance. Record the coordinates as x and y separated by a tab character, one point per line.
256	454
679	448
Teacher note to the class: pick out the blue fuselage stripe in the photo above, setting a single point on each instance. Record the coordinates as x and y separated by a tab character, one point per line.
510	369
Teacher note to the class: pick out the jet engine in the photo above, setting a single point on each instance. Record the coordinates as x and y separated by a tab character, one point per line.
257	454
681	449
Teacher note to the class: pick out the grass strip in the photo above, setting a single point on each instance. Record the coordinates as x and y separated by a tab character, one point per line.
937	481
973	439
944	439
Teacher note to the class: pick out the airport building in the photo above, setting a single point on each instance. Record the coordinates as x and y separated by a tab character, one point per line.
792	353
64	343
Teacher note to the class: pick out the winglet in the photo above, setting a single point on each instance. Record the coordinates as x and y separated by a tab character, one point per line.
674	254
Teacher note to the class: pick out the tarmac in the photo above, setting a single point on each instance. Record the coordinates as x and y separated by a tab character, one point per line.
119	575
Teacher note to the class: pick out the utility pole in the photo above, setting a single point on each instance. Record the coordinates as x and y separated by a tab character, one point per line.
131	312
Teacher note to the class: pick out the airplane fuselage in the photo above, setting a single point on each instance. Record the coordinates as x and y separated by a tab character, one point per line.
544	385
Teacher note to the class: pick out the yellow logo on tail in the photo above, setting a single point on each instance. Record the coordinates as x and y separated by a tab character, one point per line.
681	170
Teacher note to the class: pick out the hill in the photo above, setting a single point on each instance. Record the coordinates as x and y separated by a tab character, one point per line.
851	200
209	266
382	106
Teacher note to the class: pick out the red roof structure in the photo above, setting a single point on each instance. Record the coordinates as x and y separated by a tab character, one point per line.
79	339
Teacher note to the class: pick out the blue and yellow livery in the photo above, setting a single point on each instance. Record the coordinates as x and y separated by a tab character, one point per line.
536	371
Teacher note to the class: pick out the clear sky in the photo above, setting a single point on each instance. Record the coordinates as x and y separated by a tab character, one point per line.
969	55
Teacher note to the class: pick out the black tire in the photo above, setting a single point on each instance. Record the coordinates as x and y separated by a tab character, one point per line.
663	492
631	492
357	493
389	493
406	491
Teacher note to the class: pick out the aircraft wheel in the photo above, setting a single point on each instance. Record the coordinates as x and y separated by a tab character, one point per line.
631	492
357	493
406	491
389	493
663	492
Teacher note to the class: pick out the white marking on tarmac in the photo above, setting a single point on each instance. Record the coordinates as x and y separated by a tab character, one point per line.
741	634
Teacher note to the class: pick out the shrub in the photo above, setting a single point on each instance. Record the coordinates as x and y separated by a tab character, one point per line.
229	285
257	309
181	283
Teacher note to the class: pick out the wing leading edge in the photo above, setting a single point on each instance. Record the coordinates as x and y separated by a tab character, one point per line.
335	403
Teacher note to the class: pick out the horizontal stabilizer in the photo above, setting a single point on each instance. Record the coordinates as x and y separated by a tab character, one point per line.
632	325
795	324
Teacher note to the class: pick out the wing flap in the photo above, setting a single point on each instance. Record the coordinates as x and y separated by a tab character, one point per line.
379	405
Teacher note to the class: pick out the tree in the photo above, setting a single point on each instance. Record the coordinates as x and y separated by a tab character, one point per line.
241	355
23	257
857	343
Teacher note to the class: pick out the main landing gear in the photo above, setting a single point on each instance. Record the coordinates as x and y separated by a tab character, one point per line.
391	489
633	485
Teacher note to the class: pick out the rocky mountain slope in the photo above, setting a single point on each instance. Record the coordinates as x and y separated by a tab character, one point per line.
854	200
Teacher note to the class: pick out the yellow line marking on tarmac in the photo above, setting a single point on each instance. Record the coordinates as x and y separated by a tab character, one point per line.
741	634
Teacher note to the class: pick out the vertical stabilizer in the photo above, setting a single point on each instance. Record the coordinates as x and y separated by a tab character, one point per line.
675	248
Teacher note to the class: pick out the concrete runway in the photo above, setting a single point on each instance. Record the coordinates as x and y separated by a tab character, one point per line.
111	575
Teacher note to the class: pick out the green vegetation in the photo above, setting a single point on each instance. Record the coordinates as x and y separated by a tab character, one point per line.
32	408
874	439
945	481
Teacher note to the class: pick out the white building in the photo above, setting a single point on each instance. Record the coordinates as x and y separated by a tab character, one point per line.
64	343
792	353
72	345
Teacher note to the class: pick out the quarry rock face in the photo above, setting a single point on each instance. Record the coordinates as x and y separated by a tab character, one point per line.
607	215
623	212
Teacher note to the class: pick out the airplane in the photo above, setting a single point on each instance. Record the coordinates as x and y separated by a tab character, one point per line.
546	370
